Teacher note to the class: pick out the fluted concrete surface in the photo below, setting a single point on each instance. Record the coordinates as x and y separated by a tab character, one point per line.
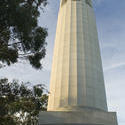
77	75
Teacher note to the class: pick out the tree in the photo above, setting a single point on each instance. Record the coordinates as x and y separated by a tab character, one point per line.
20	35
20	104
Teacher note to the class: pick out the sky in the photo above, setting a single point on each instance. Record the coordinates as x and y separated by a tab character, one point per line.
110	18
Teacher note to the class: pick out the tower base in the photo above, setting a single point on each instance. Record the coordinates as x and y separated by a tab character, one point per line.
85	117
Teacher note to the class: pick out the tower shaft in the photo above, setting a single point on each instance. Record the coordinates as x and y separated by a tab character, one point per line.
77	76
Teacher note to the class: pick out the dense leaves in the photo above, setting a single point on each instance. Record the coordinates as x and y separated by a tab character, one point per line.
20	104
20	35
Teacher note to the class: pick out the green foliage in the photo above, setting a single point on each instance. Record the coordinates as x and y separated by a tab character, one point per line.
19	31
8	54
19	104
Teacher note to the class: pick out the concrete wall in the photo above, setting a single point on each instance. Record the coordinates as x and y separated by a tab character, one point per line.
77	75
86	117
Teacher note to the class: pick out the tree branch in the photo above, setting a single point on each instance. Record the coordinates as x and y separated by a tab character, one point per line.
14	43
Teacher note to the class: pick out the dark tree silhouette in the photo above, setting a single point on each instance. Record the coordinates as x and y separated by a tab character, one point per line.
20	35
20	103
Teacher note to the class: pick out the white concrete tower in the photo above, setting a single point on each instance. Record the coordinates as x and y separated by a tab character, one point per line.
77	92
77	75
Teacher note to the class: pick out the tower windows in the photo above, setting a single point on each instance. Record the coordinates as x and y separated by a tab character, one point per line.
63	2
89	2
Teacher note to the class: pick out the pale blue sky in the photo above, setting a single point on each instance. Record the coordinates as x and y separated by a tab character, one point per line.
110	15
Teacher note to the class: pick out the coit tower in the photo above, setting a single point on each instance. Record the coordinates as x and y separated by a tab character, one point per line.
77	75
77	91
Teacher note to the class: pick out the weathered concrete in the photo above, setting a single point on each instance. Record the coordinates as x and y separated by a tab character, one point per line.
71	124
77	91
77	75
86	117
